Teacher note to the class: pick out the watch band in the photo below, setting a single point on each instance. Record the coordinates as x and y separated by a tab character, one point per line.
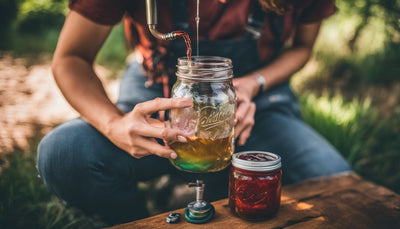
261	81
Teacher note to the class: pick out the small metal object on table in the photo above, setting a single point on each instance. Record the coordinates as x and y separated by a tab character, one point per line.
340	201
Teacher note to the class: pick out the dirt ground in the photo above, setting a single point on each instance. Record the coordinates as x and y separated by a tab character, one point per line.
30	100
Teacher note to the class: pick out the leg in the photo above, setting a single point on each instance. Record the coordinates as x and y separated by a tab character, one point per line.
82	167
279	129
132	90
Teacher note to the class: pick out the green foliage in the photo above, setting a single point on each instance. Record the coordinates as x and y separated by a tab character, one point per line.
8	12
30	44
25	202
379	160
382	67
35	27
365	35
35	16
371	144
338	121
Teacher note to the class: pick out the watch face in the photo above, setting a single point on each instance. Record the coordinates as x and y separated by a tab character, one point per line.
261	80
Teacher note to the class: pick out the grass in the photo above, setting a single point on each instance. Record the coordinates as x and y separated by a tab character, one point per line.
369	142
25	201
338	121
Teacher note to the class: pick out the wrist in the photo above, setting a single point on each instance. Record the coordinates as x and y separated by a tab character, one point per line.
261	83
110	122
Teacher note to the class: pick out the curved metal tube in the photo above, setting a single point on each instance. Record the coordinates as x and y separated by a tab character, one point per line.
162	36
152	21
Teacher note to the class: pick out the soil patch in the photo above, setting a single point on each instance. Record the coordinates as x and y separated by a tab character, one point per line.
31	101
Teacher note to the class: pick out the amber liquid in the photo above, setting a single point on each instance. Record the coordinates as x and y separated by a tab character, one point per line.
203	155
186	37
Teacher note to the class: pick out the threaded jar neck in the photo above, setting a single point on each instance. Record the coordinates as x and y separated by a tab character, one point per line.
205	68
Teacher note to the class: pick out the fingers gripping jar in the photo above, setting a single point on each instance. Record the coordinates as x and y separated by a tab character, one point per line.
210	122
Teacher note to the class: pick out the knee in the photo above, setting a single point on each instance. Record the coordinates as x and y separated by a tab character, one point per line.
57	152
317	164
328	166
47	150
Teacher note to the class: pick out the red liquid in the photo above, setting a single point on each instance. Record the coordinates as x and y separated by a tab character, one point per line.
185	36
254	195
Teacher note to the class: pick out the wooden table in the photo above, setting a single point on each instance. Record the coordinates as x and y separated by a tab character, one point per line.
340	201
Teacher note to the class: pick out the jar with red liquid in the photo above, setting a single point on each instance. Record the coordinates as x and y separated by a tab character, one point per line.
255	184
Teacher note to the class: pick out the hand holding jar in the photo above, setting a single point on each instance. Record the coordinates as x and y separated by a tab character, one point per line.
246	109
136	131
209	124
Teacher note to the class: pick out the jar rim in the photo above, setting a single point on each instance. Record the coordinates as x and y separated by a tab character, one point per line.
205	68
258	166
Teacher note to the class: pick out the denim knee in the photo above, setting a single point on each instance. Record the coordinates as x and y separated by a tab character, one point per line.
53	164
82	167
315	161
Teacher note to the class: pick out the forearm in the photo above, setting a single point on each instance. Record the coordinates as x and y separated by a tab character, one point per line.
288	63
84	91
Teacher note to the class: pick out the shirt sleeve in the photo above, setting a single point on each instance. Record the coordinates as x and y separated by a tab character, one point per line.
318	10
105	12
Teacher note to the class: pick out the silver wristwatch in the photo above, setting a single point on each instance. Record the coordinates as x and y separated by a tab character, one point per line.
261	81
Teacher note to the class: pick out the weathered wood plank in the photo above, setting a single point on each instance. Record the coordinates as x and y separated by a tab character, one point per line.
341	201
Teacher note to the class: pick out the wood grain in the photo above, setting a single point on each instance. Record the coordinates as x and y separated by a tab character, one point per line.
340	201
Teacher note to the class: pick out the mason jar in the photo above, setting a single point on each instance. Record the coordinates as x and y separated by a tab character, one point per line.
255	184
209	124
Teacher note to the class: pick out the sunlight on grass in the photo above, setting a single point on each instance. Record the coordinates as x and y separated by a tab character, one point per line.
369	142
336	109
338	121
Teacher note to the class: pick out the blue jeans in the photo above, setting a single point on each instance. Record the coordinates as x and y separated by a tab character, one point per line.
82	167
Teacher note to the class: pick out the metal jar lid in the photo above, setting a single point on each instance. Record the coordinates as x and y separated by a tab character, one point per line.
257	166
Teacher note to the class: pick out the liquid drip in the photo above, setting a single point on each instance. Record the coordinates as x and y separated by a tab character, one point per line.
185	36
197	19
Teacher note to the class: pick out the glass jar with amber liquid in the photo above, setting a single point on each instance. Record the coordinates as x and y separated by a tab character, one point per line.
209	124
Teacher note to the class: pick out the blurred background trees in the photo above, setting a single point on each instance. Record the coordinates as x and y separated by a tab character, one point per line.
31	18
349	92
29	27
